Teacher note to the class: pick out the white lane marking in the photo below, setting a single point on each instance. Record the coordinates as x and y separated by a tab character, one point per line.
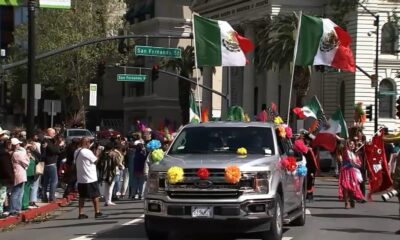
85	237
287	238
134	221
308	212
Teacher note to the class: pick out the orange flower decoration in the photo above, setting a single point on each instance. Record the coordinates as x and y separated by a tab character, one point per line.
232	174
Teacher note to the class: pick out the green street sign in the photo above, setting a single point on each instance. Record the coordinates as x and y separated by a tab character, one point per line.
158	51
64	4
13	2
131	77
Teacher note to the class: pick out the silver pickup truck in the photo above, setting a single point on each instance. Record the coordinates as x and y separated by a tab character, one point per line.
266	197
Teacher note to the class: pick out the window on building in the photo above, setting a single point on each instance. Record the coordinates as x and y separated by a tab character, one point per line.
386	98
390	38
342	97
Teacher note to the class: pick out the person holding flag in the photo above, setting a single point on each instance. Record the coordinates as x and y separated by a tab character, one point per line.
349	188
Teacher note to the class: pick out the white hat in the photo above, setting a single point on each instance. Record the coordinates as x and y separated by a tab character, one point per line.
2	131
137	142
15	141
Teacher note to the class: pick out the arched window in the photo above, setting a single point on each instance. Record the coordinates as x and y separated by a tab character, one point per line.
342	97
386	98
390	38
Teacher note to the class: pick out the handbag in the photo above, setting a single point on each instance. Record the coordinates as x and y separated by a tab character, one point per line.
39	168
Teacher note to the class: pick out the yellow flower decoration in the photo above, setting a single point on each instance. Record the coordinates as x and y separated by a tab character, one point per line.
241	151
175	175
282	132
157	155
246	117
232	174
278	120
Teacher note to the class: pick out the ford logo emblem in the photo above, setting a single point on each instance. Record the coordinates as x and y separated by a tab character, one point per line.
203	184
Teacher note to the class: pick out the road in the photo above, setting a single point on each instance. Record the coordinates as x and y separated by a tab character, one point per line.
327	219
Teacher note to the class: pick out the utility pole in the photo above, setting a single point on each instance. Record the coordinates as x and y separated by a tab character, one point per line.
375	78
30	113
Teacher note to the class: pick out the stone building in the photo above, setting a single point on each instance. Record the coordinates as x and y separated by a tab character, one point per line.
251	87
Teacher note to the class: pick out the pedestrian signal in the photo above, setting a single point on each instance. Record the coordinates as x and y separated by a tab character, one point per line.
368	112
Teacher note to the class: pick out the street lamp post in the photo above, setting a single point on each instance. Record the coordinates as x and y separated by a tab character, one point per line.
376	82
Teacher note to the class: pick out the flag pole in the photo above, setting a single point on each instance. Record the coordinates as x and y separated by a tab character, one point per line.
293	67
229	88
196	66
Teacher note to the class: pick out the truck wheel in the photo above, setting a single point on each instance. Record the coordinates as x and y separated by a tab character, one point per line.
301	220
154	235
275	231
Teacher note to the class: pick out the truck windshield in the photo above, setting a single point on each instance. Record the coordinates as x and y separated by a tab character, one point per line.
256	140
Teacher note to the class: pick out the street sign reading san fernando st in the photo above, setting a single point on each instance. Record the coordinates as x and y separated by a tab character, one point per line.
131	77
64	4
158	51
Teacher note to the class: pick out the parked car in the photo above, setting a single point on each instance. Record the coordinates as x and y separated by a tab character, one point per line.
72	133
107	134
266	196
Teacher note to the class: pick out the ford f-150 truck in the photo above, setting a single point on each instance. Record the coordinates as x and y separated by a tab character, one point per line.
266	196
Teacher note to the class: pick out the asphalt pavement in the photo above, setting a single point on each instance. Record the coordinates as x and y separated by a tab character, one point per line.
327	219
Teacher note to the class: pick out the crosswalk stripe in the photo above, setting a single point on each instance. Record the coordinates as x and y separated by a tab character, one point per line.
134	221
287	238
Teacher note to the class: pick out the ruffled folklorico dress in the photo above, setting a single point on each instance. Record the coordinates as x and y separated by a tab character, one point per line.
347	177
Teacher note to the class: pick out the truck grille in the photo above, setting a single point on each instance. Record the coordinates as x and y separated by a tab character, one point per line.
192	187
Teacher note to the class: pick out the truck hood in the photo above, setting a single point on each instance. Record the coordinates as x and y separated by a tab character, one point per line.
218	161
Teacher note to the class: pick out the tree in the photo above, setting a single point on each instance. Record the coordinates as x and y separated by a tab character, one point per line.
184	66
275	44
69	73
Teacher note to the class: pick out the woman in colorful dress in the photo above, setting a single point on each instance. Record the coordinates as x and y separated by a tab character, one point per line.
349	187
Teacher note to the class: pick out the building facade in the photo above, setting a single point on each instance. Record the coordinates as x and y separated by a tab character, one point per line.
251	87
155	102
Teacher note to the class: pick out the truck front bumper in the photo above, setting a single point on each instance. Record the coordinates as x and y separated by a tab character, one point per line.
204	226
252	215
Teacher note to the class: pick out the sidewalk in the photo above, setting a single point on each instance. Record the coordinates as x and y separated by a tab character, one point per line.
30	214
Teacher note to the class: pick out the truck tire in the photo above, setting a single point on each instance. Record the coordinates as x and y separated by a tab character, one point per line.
154	235
276	228
301	220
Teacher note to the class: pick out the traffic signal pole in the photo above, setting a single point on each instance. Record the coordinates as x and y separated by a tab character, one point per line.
30	100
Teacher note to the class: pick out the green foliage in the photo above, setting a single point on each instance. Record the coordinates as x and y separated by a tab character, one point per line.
340	8
275	42
69	73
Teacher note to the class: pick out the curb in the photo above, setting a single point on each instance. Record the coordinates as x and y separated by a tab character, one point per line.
30	214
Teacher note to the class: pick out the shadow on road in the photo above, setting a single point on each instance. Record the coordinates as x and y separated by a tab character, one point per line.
80	224
357	230
338	215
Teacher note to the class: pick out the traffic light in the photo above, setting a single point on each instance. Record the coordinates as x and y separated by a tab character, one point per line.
368	112
398	107
154	72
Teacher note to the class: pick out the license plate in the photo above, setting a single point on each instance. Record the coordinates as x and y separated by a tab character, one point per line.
202	212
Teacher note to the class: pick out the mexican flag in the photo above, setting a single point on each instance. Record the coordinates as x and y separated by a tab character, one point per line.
327	138
218	44
311	109
194	116
322	42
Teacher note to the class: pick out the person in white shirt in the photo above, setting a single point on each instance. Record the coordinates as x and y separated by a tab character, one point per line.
88	186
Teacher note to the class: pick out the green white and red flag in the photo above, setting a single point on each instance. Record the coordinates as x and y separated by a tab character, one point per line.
311	109
218	44
322	42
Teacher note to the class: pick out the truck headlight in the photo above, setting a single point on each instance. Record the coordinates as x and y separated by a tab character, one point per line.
261	182
153	182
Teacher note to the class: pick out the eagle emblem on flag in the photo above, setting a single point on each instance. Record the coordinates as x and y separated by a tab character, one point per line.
329	41
231	42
